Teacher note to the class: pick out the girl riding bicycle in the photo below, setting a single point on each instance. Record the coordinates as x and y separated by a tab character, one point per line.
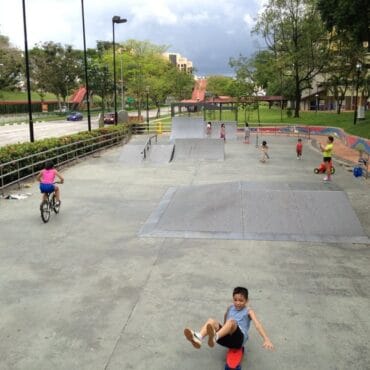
47	178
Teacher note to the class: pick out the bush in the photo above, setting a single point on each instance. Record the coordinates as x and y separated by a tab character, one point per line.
49	149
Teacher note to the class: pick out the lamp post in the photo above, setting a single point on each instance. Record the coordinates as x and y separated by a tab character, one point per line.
317	101
358	70
86	74
122	93
32	139
147	109
115	19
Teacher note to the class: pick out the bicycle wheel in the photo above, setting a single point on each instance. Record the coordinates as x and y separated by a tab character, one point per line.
54	204
45	211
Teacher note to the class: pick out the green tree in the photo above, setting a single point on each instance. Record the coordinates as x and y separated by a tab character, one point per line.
56	69
11	65
220	85
348	17
294	32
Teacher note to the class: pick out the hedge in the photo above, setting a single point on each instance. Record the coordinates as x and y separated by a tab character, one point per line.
54	146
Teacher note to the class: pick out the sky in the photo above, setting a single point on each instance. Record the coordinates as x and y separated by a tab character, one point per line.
207	32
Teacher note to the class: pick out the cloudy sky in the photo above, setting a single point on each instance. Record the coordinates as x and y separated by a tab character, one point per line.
208	32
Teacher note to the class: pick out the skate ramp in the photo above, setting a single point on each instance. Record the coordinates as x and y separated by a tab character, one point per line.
187	128
131	154
159	153
199	149
230	130
256	211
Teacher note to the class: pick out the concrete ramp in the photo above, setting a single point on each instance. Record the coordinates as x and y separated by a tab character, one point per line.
131	154
199	149
187	128
240	211
230	129
160	153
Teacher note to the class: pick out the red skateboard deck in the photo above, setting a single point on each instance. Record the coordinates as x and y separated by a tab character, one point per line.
234	357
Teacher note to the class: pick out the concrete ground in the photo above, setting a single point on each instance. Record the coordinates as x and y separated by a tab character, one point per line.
86	292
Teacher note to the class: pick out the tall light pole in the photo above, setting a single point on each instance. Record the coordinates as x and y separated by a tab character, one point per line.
32	139
86	74
147	108
122	94
115	19
317	101
358	70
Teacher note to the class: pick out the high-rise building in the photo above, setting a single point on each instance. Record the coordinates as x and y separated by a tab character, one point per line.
182	63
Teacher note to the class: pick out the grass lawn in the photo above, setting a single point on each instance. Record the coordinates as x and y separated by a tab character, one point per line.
273	117
22	96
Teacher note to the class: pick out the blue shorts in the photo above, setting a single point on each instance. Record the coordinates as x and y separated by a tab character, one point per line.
47	188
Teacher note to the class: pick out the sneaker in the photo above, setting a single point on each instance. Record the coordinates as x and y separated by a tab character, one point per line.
211	335
326	178
58	203
192	337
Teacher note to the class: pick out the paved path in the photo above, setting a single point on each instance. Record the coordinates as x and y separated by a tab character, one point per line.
86	292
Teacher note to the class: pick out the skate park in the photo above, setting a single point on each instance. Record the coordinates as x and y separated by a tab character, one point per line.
143	248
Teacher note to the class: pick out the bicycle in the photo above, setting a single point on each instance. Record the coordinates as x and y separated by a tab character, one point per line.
48	205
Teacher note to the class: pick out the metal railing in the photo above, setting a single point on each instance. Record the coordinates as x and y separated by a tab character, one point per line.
148	145
13	172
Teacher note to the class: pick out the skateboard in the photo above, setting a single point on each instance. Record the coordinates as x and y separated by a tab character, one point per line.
234	358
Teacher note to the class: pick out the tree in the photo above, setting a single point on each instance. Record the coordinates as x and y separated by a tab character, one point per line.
12	65
347	17
56	69
220	85
294	32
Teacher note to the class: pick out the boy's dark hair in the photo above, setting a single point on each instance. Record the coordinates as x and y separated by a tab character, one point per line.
299	139
242	291
331	139
49	165
264	142
246	124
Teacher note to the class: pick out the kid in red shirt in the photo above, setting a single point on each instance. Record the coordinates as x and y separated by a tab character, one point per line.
299	149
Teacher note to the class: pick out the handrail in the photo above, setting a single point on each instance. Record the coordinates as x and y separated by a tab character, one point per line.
14	171
148	144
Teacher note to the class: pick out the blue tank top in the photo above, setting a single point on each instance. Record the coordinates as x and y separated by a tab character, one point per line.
242	318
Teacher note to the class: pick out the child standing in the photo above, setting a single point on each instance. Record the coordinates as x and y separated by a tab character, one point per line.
223	132
247	133
209	129
46	178
264	150
327	153
234	332
299	148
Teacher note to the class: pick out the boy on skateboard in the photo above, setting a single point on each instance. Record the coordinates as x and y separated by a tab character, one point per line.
234	332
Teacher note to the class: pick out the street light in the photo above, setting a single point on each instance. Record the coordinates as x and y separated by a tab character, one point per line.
115	19
358	70
317	101
32	139
86	75
147	109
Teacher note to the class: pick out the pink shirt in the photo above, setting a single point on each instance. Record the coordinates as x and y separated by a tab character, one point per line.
48	176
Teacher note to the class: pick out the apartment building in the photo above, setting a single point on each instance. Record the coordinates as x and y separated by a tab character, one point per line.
182	63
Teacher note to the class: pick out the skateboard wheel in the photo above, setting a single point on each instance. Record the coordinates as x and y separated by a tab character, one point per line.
316	170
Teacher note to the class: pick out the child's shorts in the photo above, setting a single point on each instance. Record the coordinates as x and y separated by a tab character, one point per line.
234	340
47	188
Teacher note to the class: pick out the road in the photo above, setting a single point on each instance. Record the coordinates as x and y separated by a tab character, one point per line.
19	133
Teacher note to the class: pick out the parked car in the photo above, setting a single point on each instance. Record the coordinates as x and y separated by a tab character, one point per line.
109	118
75	116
